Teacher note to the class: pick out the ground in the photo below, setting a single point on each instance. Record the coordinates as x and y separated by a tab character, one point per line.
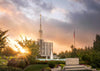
35	67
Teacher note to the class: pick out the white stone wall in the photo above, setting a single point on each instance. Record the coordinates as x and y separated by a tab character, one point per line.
72	61
46	49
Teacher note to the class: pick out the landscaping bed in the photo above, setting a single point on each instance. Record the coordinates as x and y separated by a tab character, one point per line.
9	68
36	67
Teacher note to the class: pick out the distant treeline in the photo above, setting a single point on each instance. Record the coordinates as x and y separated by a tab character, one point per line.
89	55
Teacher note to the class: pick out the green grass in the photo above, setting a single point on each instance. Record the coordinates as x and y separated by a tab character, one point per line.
35	67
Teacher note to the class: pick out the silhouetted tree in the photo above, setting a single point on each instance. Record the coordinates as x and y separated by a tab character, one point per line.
8	51
33	49
3	41
96	44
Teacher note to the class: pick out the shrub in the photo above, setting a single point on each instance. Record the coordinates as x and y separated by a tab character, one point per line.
21	64
41	62
82	62
11	62
3	62
17	63
56	66
46	62
51	64
60	62
31	59
47	69
8	68
62	65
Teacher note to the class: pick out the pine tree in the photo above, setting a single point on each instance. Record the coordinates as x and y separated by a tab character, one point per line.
3	38
96	45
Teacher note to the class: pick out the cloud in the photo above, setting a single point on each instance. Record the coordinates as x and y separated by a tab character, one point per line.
88	18
45	5
87	22
21	3
92	5
22	18
59	14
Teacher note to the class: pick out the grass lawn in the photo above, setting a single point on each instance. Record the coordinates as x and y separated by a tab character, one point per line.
35	67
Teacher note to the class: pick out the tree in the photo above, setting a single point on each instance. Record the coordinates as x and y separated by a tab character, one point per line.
62	55
54	53
96	44
8	51
3	41
33	49
74	51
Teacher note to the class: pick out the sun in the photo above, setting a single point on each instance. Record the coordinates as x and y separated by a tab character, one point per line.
22	51
16	47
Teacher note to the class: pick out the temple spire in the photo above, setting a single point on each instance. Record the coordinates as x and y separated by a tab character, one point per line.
40	31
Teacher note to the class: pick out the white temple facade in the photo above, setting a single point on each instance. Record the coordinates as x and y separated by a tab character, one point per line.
46	49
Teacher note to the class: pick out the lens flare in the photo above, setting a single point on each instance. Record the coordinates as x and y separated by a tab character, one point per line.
15	46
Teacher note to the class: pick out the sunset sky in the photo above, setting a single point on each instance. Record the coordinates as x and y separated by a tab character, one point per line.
59	19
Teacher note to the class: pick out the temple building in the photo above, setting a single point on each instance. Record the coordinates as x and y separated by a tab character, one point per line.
46	48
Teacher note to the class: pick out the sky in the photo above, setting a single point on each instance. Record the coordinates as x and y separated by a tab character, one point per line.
59	19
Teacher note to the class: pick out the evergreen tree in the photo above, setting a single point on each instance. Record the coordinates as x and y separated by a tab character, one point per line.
3	41
96	45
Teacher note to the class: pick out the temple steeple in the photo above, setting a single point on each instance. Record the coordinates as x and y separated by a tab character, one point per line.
40	31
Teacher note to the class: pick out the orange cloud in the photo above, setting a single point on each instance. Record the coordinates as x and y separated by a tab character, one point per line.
53	30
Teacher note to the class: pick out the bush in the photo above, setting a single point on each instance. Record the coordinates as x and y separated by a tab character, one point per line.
47	69
51	64
31	59
60	62
41	62
62	65
46	62
8	68
82	62
21	64
17	63
3	62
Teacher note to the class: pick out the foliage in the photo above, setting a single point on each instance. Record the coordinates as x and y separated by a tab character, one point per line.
3	41
32	47
21	63
96	44
8	51
41	62
88	56
54	53
3	61
51	64
8	68
46	62
47	69
36	67
62	65
82	62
